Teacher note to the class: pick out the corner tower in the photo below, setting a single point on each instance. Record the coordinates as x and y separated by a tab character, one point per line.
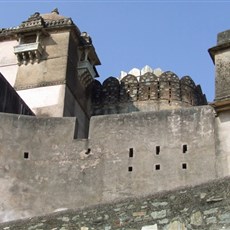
51	64
220	55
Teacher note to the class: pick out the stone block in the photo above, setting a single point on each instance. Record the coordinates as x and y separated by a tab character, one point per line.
175	225
139	213
211	211
158	214
225	218
150	227
211	220
196	218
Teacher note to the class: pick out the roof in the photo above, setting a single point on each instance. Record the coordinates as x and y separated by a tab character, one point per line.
53	16
39	21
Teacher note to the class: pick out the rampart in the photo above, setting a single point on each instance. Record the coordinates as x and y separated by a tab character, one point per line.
43	168
147	92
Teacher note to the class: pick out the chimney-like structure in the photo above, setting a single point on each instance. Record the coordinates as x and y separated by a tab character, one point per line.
220	55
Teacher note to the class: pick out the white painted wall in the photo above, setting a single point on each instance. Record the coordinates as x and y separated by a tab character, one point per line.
8	61
45	101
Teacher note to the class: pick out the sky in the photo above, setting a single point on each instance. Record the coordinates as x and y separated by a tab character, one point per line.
171	35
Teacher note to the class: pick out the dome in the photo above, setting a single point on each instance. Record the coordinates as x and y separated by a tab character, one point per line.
53	16
149	90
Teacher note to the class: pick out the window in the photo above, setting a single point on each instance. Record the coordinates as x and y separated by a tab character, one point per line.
184	166
29	39
131	152
26	155
29	49
130	168
157	150
185	148
157	167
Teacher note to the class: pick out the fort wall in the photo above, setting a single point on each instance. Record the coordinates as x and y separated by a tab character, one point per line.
149	132
43	168
146	92
206	206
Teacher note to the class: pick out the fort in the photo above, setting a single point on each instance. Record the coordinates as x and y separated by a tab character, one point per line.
132	144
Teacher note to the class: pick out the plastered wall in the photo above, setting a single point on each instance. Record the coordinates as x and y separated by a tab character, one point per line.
45	101
43	168
52	67
8	61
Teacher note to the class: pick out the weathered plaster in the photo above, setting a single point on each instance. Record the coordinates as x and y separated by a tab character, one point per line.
63	172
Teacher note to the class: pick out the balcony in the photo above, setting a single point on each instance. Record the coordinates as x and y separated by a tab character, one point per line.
28	53
86	72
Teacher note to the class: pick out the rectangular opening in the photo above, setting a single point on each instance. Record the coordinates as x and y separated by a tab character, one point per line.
76	129
184	166
26	155
130	168
88	151
131	152
185	148
149	92
29	39
157	167
158	150
158	85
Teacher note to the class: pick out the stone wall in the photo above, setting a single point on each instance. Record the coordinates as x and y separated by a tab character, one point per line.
154	151
147	92
43	168
220	55
201	207
223	143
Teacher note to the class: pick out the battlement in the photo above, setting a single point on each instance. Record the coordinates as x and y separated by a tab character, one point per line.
160	90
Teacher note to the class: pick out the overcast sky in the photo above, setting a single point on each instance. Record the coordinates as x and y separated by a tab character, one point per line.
171	35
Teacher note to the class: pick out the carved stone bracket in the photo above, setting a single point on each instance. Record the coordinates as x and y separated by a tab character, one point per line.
86	72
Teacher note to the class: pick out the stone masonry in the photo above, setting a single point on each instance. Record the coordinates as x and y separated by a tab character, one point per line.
201	207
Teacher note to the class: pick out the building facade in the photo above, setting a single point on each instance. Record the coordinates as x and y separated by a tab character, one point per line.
51	64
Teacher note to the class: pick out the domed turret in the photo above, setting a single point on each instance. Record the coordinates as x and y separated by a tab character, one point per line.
147	90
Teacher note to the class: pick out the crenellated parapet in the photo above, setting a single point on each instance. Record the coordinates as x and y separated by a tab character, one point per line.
145	90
